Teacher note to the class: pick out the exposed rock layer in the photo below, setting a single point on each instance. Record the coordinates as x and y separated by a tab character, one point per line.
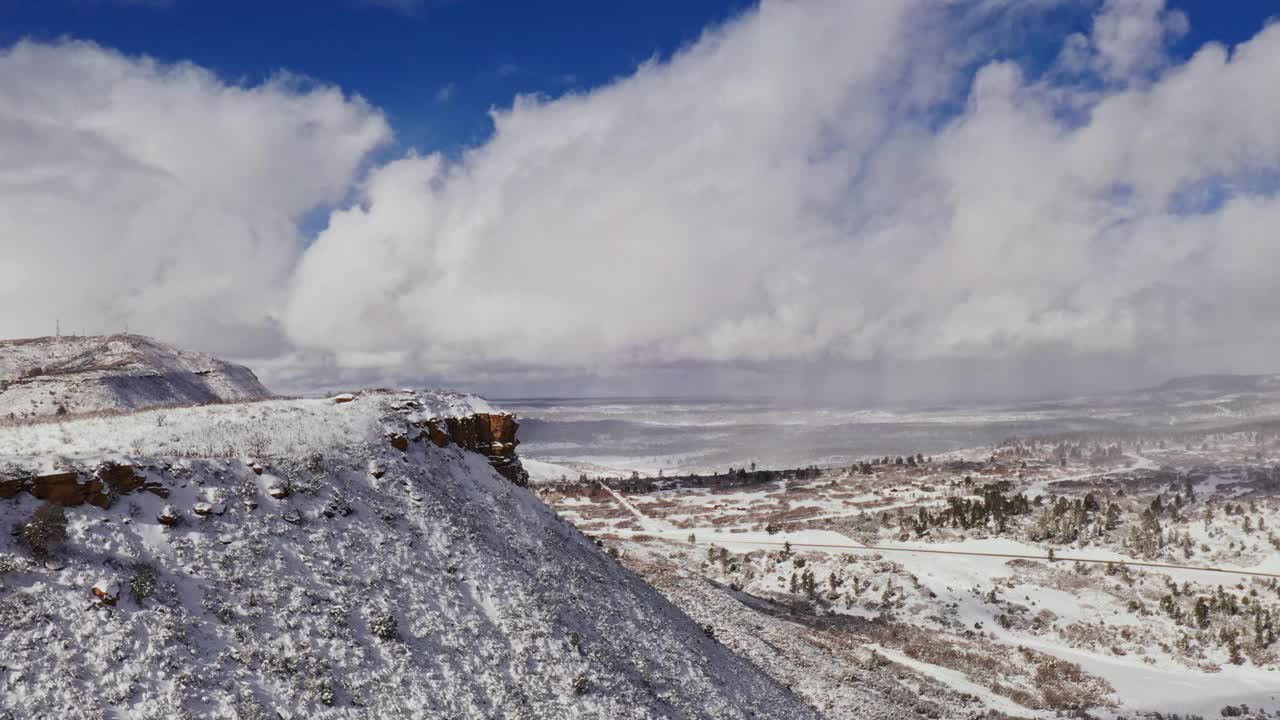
490	434
71	488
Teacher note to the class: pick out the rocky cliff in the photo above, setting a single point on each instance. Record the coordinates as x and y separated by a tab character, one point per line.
490	434
70	488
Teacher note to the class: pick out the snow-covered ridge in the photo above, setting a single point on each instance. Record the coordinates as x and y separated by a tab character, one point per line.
292	427
41	377
286	428
296	558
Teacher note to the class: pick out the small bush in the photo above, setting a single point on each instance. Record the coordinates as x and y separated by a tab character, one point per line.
8	564
143	583
327	691
385	627
46	530
315	463
257	444
581	684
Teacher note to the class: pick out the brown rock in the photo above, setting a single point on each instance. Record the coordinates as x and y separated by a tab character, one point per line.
490	434
63	488
120	478
399	442
107	592
67	489
10	488
168	516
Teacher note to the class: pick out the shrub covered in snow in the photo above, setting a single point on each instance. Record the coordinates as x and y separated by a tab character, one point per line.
143	583
46	530
385	627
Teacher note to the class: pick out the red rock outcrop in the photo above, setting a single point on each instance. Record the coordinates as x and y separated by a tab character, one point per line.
70	489
490	434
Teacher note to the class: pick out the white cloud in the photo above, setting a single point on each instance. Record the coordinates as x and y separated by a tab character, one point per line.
782	191
158	197
1130	36
815	190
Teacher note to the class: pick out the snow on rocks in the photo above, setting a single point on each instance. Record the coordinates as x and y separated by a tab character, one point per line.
398	441
278	489
205	509
107	591
169	516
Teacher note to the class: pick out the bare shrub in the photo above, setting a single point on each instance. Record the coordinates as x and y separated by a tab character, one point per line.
46	530
257	444
385	627
143	583
9	564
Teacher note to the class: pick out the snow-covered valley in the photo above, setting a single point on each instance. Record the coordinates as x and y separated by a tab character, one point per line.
1026	579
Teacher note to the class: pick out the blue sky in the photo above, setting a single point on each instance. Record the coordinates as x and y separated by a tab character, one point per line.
435	70
437	67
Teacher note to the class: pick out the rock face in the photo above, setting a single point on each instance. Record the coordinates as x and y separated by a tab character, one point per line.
71	489
490	434
55	376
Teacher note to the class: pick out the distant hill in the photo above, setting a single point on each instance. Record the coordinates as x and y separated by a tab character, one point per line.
1218	384
1193	401
74	375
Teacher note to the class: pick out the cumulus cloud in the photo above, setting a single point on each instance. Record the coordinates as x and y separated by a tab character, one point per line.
157	197
816	192
798	186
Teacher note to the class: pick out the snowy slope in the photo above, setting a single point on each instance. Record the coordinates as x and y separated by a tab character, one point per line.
73	375
294	427
347	580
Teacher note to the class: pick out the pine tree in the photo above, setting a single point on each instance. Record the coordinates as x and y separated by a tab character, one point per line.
809	583
1201	612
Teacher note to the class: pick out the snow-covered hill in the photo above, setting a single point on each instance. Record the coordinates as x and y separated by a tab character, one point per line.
74	375
287	559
